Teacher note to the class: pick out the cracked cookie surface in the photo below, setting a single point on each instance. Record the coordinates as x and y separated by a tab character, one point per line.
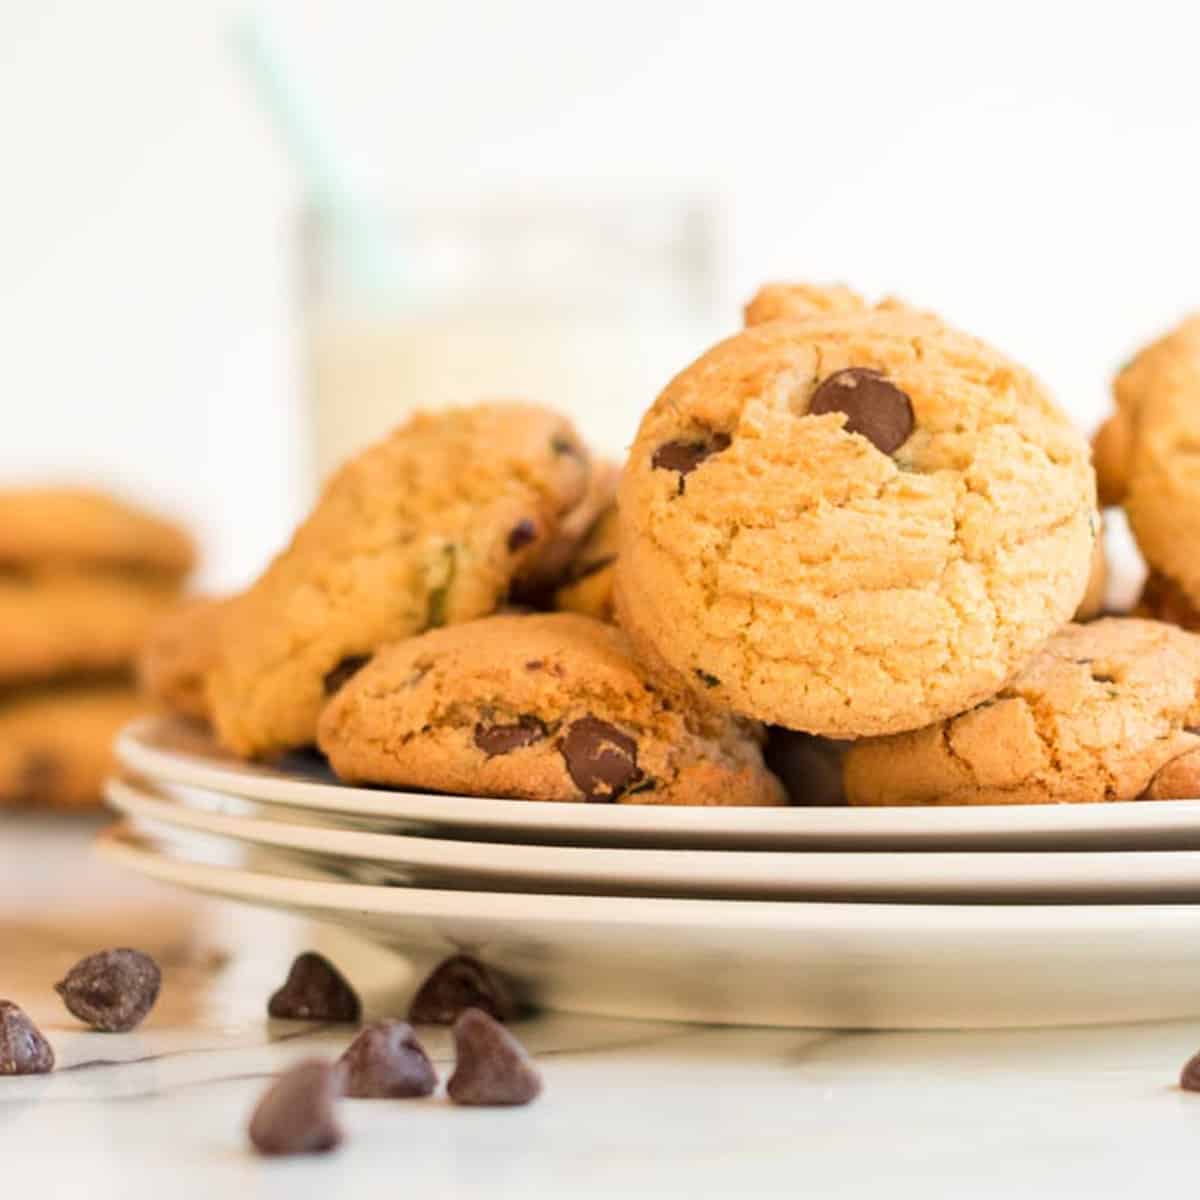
542	707
429	527
1099	715
1147	454
853	524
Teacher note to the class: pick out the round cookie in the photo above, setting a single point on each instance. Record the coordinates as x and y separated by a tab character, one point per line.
588	586
173	665
851	525
80	527
56	743
428	527
1099	715
1148	454
545	707
60	622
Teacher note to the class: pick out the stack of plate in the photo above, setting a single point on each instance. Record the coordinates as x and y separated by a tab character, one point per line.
900	918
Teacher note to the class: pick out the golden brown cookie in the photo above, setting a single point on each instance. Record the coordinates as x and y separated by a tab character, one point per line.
56	743
853	524
60	622
543	707
1098	715
179	653
1148	454
588	585
429	527
78	527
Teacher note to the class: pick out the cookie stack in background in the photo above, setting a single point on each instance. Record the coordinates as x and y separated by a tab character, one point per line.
849	526
83	577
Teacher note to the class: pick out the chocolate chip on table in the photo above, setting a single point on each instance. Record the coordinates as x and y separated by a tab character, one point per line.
296	1115
459	983
386	1062
601	760
344	672
1189	1077
874	408
112	990
315	990
521	534
491	1066
504	739
23	1048
686	456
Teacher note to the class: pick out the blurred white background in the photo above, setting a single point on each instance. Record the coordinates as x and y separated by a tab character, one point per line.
1029	169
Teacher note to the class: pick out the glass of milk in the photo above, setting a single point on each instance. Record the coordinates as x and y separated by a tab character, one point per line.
588	304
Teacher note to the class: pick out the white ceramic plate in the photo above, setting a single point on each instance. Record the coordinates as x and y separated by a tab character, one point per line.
174	751
760	962
1002	876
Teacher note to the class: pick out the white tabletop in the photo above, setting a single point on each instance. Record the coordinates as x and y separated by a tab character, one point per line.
629	1109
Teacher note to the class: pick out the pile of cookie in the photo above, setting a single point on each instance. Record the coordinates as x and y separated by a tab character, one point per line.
850	529
83	577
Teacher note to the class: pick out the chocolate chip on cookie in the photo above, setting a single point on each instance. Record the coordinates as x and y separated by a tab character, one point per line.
600	758
874	408
548	707
686	456
504	739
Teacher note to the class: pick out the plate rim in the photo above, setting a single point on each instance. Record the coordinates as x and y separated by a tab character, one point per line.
1008	822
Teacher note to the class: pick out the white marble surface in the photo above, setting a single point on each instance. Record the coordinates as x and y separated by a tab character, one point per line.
629	1109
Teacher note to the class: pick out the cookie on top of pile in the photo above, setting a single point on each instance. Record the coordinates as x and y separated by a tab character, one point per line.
848	563
83	578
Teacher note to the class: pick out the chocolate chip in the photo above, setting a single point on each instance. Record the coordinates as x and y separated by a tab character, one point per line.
563	445
1189	1077
344	672
459	983
504	739
710	681
685	457
296	1115
23	1049
534	664
491	1066
386	1062
522	533
112	990
874	408
600	759
315	990
38	777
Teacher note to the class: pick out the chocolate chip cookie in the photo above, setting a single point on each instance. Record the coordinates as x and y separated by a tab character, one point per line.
852	524
56	743
174	663
1105	711
55	622
540	707
77	527
1147	455
429	527
587	585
